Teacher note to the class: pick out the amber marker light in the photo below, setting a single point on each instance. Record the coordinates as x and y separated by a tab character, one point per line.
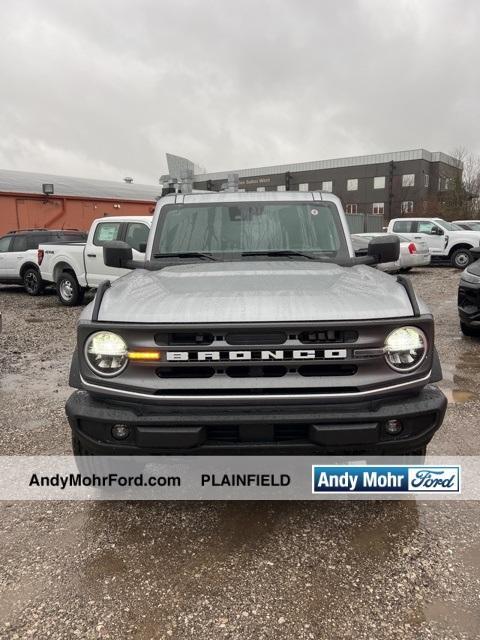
144	356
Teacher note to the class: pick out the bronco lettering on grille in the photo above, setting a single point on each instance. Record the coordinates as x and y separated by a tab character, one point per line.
278	354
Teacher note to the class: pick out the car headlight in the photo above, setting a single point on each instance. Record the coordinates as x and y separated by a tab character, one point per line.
106	353
470	277
405	348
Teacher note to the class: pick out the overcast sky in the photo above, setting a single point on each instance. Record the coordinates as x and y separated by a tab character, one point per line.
103	88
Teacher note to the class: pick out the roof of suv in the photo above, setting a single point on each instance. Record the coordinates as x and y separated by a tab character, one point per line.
246	196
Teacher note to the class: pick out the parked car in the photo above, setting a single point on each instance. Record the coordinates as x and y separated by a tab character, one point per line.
18	255
412	254
469	298
445	240
74	268
468	225
252	327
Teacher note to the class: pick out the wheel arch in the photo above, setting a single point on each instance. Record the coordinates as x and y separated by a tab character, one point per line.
28	265
62	266
460	245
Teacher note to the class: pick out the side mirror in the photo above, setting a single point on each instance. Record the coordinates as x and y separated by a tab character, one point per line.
436	231
384	248
117	254
142	247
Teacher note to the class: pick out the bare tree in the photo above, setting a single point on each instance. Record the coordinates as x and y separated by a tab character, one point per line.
463	200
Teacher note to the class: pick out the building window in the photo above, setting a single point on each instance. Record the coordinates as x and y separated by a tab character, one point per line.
379	182
352	184
408	180
378	208
281	187
327	186
444	183
407	206
303	186
426	180
260	188
351	208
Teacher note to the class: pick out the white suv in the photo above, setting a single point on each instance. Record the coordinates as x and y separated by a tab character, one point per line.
446	241
18	255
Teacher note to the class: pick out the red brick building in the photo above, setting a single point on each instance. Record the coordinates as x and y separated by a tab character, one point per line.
75	202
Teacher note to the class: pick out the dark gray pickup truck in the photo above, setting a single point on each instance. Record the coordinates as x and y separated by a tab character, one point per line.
253	327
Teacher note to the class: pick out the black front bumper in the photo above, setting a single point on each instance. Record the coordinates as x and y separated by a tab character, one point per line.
469	303
266	429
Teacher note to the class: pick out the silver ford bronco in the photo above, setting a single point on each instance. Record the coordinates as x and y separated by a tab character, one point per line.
252	326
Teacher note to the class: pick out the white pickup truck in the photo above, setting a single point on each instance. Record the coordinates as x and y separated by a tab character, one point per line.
446	241
76	267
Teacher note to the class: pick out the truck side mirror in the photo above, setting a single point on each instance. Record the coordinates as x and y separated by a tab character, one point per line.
436	231
142	247
384	248
117	254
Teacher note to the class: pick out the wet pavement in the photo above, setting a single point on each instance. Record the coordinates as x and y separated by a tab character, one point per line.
230	570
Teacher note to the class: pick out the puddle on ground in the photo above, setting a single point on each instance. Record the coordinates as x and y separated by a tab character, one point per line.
458	396
450	615
455	383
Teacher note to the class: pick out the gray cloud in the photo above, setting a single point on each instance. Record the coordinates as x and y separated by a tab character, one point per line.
106	88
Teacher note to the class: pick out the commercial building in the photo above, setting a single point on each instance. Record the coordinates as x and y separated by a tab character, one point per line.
387	184
35	200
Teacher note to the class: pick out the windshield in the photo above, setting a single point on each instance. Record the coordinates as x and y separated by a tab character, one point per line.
472	225
449	226
223	229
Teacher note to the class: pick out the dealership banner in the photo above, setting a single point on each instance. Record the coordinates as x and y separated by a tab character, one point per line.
238	478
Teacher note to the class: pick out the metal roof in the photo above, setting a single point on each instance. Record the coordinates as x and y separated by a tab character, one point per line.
31	183
379	158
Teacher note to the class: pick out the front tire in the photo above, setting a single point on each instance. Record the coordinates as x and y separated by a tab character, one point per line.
471	332
461	258
32	282
69	292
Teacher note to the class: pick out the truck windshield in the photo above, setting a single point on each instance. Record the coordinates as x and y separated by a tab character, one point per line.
449	226
251	227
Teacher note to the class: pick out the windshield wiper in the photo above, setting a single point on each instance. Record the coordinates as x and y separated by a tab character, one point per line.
287	253
185	254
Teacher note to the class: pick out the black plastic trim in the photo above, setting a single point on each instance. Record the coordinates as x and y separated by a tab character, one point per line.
405	282
102	287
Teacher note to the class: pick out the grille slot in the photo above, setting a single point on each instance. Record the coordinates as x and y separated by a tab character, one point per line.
327	336
184	338
247	338
256	371
185	372
327	370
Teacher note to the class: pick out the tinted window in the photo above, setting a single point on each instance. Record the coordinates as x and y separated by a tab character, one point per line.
403	226
106	232
19	243
73	237
34	241
137	234
5	244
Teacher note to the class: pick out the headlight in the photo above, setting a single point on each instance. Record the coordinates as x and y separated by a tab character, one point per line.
106	353
470	277
405	348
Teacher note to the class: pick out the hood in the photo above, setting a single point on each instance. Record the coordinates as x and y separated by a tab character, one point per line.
270	291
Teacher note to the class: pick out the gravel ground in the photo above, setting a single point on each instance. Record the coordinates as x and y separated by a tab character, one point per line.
408	570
